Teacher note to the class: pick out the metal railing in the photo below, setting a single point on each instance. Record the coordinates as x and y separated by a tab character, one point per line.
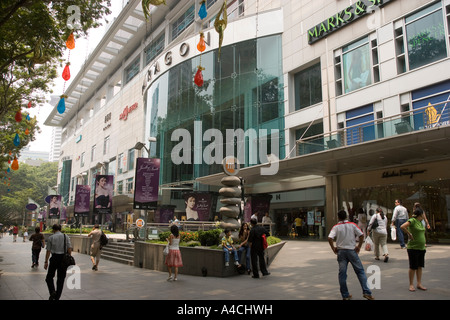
410	121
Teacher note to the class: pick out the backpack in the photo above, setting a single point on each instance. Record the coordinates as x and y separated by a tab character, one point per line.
264	241
103	240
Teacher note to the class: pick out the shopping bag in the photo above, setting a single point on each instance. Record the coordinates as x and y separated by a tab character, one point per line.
369	244
393	233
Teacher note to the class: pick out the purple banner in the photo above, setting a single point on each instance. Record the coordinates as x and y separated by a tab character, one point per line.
54	206
82	201
104	185
257	205
146	183
198	206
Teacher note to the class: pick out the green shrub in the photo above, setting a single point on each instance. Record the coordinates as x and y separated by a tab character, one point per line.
210	237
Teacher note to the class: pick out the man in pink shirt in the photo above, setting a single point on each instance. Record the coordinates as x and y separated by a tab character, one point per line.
345	234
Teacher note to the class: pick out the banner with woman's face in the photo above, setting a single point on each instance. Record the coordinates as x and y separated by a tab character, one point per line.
54	206
103	194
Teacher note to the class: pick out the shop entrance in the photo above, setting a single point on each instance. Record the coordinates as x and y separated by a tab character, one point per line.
306	223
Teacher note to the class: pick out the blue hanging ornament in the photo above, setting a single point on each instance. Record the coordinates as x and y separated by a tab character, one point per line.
202	13
16	140
62	104
28	117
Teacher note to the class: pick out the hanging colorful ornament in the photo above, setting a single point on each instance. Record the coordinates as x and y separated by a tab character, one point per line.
66	72
221	24
70	43
146	6
15	164
62	104
198	79
16	140
18	116
29	105
202	13
27	132
201	46
28	117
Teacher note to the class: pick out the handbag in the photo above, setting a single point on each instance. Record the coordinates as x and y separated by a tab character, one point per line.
375	223
67	260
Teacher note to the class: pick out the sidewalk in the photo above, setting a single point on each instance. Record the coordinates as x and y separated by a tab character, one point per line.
303	270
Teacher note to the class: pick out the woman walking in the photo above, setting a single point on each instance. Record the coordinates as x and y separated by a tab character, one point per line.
379	234
38	243
173	259
416	248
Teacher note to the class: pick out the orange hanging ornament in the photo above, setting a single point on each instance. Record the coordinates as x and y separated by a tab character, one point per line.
70	43
198	79
15	164
66	72
27	132
201	46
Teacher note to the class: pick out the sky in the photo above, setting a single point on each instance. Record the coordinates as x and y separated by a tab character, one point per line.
83	47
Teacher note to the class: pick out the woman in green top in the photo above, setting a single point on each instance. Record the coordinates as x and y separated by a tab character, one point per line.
416	248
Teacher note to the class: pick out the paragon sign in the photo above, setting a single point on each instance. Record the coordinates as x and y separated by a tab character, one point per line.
344	17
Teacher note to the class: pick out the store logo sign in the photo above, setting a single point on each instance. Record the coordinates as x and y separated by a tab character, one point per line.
127	111
343	18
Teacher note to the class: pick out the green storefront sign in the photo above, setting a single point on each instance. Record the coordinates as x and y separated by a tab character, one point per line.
343	18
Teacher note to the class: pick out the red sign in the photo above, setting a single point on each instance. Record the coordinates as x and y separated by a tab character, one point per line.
128	110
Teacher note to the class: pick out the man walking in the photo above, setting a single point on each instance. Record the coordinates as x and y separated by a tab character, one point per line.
345	234
55	247
399	217
256	248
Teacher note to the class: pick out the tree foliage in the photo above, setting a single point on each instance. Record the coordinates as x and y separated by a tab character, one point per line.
33	38
27	182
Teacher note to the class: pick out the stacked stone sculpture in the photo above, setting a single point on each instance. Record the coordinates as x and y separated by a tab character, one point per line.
231	200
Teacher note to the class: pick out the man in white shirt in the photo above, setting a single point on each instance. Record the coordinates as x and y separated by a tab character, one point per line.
345	234
55	248
399	217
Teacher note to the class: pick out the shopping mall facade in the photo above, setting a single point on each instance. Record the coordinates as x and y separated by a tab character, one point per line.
348	99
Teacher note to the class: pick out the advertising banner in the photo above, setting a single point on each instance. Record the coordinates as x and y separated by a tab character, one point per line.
146	183
82	201
198	206
104	185
54	207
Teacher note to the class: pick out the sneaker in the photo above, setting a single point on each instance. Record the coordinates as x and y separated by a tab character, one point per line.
227	264
169	278
368	297
386	258
348	298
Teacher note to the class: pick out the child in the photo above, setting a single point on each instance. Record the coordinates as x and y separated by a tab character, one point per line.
228	248
173	259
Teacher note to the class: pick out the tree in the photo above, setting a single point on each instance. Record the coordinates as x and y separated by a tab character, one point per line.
28	182
33	38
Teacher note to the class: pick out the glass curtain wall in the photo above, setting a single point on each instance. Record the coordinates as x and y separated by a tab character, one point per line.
242	90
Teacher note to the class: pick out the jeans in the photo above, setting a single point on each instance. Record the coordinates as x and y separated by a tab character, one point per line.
227	253
344	256
247	255
400	234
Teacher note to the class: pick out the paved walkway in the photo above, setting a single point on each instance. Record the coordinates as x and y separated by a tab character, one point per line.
303	270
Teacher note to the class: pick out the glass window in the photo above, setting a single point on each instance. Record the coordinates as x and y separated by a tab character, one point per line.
308	87
93	152
425	35
240	91
356	65
131	154
154	49
361	122
183	22
132	70
106	145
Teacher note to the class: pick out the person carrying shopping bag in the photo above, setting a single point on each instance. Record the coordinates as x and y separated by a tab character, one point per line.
378	226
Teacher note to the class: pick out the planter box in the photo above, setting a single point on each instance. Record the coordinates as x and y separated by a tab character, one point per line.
150	256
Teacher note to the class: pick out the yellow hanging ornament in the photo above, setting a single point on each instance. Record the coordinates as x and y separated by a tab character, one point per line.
146	6
221	24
